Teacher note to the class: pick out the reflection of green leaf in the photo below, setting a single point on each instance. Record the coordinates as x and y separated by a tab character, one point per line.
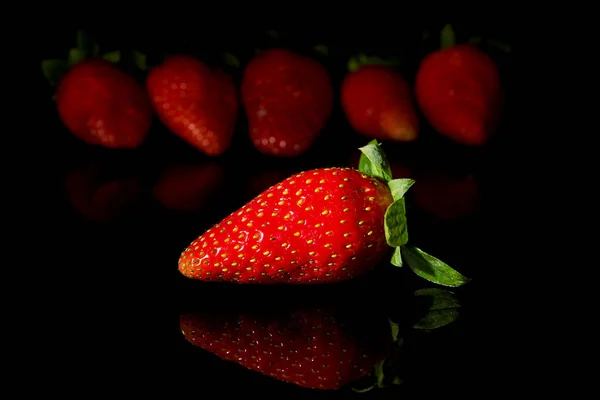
321	49
374	162
431	268
395	328
437	318
447	38
113	56
230	60
441	298
499	45
140	60
396	233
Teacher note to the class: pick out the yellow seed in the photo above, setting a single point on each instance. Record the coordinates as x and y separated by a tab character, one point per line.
274	214
255	236
317	225
294	251
346	179
327	197
234	264
216	242
241	255
343	221
224	255
328	245
292	182
266	265
277	258
317	190
308	181
205	244
244	219
241	236
196	247
301	221
281	202
264	225
222	231
309	241
240	213
253	260
300	202
267	252
322	181
370	245
371	198
370	233
263	204
341	185
207	273
212	235
287	216
315	173
346	234
202	239
292	262
308	208
325	212
346	209
279	187
331	264
248	209
329	233
361	222
224	270
297	234
328	274
248	268
344	268
284	245
333	255
312	253
217	264
281	227
299	192
237	273
229	222
270	195
281	270
260	214
235	229
255	247
286	191
335	173
368	209
353	257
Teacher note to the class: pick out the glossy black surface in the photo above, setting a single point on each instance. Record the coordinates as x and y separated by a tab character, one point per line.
113	242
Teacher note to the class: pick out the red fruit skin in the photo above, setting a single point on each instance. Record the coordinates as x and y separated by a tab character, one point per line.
378	103
318	226
98	198
188	187
288	99
103	106
309	348
459	91
445	196
197	103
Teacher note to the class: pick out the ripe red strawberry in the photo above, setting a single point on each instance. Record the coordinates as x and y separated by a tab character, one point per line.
188	187
98	196
197	103
459	91
318	226
102	105
378	103
288	98
311	347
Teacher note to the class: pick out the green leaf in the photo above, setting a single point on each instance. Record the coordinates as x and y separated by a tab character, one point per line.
399	187
440	298
113	56
356	62
447	38
321	49
396	381
54	69
140	60
379	373
353	64
365	390
396	233
374	162
428	267
397	258
437	318
231	60
76	55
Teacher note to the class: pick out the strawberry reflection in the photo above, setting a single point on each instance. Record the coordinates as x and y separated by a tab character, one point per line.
101	192
316	348
188	187
325	347
445	195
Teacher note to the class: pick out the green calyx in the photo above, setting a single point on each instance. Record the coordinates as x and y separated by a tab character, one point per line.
447	37
373	162
362	59
84	49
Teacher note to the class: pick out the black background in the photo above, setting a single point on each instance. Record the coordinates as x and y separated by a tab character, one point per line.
111	292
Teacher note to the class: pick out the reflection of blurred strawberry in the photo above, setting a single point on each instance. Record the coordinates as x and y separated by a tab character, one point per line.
446	196
262	180
98	195
188	187
312	347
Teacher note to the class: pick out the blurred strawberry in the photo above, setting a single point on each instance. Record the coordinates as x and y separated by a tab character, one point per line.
188	187
311	347
196	102
288	99
98	195
378	103
99	103
446	196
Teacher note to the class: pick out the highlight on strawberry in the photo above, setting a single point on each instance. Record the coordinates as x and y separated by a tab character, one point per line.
319	226
98	102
